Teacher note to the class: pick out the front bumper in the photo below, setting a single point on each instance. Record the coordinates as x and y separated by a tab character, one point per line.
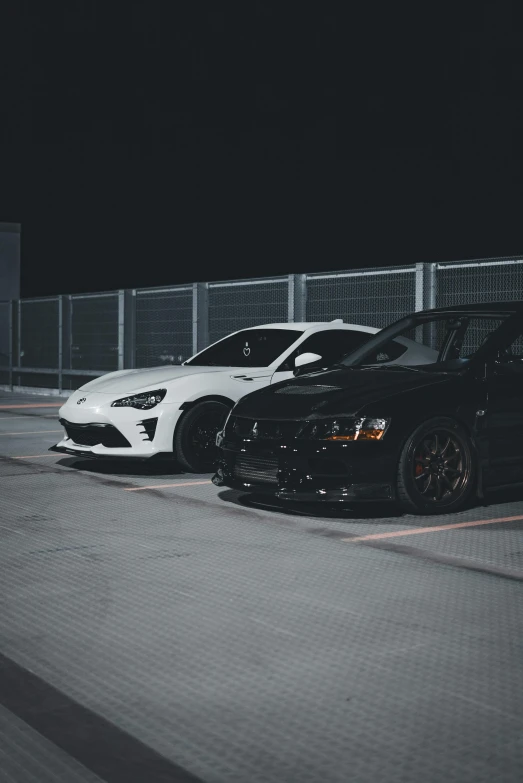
78	451
121	428
310	471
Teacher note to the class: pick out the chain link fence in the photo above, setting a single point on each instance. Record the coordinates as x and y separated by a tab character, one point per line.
63	341
38	347
5	343
479	281
243	303
94	332
369	297
164	326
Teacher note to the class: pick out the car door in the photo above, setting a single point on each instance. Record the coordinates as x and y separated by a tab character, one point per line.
504	415
331	344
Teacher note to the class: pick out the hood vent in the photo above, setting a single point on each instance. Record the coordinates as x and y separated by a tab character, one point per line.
295	389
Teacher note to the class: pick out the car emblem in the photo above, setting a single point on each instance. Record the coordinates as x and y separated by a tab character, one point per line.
82	399
246	350
254	432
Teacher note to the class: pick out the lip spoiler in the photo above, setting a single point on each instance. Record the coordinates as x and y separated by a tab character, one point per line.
158	457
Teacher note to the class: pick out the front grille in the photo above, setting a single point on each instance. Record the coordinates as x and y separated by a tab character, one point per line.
322	468
149	428
251	429
256	470
95	435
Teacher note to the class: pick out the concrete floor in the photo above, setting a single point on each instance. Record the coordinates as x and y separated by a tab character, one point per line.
156	628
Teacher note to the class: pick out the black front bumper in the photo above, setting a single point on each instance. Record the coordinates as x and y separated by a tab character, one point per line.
309	470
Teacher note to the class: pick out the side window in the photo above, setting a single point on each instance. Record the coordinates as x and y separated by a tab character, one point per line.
477	332
387	353
332	345
512	352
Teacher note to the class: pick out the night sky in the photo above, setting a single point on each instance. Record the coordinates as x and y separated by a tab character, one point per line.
149	143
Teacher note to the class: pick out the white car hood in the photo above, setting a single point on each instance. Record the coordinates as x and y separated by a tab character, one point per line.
152	378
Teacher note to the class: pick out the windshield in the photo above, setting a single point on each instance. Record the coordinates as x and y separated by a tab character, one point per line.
249	348
440	343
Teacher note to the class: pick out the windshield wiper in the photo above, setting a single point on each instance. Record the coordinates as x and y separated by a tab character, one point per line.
379	367
398	367
386	367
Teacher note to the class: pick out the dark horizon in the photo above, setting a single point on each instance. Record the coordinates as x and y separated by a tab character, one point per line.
152	147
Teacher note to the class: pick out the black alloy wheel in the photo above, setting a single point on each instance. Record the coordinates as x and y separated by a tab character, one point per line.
195	436
436	470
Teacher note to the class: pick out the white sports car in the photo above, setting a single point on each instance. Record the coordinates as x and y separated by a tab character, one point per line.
176	411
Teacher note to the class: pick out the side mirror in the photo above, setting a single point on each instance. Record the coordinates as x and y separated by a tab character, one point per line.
306	358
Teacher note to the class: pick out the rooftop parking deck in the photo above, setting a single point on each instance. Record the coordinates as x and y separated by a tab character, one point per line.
156	628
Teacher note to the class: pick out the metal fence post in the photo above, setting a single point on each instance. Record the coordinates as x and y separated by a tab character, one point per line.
425	287
297	308
200	316
420	287
429	287
290	300
66	334
60	342
129	359
121	328
19	339
10	327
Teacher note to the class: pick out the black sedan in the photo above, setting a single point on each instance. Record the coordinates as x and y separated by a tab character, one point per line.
431	433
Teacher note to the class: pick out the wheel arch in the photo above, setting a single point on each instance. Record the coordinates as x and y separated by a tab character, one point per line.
468	426
185	460
185	406
189	404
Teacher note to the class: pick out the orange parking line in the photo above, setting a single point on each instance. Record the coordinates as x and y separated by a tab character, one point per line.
27	416
162	486
35	405
435	529
33	432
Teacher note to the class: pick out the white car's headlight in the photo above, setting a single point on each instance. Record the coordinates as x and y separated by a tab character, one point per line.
143	401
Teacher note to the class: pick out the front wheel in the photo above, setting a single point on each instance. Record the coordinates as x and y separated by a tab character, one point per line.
195	436
436	471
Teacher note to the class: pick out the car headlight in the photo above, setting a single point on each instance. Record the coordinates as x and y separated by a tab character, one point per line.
143	401
346	429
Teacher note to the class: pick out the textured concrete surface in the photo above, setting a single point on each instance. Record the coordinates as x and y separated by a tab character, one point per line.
213	637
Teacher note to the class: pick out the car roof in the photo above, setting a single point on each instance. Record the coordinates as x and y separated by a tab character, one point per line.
317	326
480	307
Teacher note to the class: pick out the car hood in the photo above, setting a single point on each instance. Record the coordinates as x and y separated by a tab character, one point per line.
127	381
343	392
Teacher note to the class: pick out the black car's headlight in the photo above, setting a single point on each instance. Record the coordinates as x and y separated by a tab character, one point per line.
143	401
346	429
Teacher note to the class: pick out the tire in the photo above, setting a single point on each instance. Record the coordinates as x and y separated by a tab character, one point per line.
436	469
194	442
